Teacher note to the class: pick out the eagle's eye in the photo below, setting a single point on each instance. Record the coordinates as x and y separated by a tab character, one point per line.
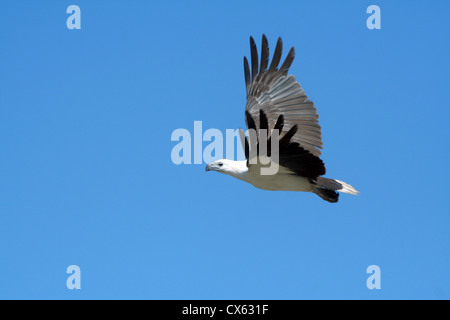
220	164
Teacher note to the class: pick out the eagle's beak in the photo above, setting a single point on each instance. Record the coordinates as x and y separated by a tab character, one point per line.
208	168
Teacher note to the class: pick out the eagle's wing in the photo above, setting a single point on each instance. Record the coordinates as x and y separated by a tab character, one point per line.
271	90
291	155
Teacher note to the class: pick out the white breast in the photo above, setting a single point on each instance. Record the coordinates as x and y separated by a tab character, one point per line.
284	180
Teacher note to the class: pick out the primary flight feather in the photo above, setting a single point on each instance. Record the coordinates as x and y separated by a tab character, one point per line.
277	104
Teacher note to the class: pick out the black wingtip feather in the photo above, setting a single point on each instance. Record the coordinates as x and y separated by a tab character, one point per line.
263	122
264	54
254	54
247	72
288	62
276	56
247	149
280	124
250	121
288	136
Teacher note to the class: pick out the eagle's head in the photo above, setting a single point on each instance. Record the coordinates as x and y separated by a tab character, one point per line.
230	167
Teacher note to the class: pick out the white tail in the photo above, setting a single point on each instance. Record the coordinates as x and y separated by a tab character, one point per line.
336	185
346	188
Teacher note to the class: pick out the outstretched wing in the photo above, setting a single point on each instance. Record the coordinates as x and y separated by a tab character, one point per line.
271	90
291	155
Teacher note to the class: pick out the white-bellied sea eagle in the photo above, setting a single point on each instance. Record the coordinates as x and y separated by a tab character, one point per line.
277	103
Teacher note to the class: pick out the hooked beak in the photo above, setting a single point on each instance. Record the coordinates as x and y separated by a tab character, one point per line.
209	167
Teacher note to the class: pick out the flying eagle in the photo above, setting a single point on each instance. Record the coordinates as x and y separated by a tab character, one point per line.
277	104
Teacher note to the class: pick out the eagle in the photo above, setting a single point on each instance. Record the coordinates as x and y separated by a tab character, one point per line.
278	107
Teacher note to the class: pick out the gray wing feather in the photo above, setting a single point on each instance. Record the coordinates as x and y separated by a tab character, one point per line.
276	93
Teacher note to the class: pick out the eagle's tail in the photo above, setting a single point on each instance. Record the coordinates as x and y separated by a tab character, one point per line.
326	189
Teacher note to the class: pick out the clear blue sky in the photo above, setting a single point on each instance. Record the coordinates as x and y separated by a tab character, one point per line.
86	176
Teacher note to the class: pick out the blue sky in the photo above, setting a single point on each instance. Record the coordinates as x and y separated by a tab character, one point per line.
86	176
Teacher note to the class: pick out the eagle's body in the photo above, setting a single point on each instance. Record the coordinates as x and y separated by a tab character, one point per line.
283	180
278	108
